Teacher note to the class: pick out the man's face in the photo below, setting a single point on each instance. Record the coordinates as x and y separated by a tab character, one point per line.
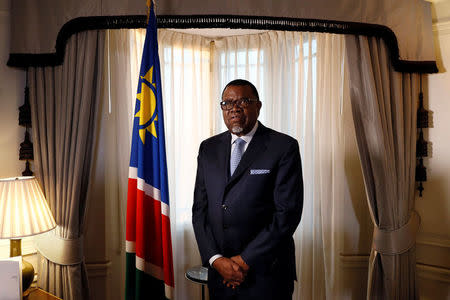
240	120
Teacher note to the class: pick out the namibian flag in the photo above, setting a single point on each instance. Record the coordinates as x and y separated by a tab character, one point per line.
149	267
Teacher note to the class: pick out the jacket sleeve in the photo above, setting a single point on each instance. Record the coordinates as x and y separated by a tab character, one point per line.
288	206
202	229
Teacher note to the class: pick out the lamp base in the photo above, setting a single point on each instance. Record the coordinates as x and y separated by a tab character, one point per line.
27	275
27	268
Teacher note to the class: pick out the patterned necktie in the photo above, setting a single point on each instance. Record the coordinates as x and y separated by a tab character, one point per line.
237	154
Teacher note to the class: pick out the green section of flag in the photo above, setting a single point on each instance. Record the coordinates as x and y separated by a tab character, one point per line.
140	285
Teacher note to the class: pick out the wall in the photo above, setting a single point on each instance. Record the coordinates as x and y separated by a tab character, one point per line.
12	84
11	97
433	247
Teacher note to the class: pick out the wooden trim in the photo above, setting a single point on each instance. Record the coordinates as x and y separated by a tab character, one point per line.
433	240
98	269
349	261
354	261
433	273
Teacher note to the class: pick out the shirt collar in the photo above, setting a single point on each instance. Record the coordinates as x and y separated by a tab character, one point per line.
247	137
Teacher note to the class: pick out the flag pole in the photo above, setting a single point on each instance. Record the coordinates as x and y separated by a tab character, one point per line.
149	3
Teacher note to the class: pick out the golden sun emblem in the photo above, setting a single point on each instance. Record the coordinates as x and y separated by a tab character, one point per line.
146	113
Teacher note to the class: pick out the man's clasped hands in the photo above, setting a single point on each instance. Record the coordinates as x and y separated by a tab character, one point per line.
233	270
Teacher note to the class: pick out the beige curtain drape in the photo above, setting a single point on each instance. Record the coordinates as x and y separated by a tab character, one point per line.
64	103
384	111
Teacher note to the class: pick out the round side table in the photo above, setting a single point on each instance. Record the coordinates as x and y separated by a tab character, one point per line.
198	274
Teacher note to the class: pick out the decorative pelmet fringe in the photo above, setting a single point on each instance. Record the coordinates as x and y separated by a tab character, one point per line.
26	147
421	144
252	22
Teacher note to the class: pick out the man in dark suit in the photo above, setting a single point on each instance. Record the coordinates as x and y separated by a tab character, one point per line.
248	201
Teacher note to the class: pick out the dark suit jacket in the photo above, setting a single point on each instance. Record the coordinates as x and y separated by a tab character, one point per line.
256	211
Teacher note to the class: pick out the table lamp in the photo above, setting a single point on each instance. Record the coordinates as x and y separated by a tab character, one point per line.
23	212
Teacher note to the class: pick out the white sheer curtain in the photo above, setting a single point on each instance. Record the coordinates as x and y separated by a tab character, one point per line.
185	69
300	79
113	140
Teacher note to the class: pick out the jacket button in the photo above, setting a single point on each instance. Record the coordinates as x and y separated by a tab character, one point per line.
224	207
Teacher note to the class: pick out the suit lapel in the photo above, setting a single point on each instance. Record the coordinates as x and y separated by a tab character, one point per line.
224	149
254	149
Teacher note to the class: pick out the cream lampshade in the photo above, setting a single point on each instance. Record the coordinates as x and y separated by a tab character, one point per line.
23	212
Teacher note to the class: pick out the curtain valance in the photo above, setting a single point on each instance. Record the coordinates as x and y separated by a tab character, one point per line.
39	29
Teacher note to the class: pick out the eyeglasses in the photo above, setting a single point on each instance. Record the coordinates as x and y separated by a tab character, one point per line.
243	103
